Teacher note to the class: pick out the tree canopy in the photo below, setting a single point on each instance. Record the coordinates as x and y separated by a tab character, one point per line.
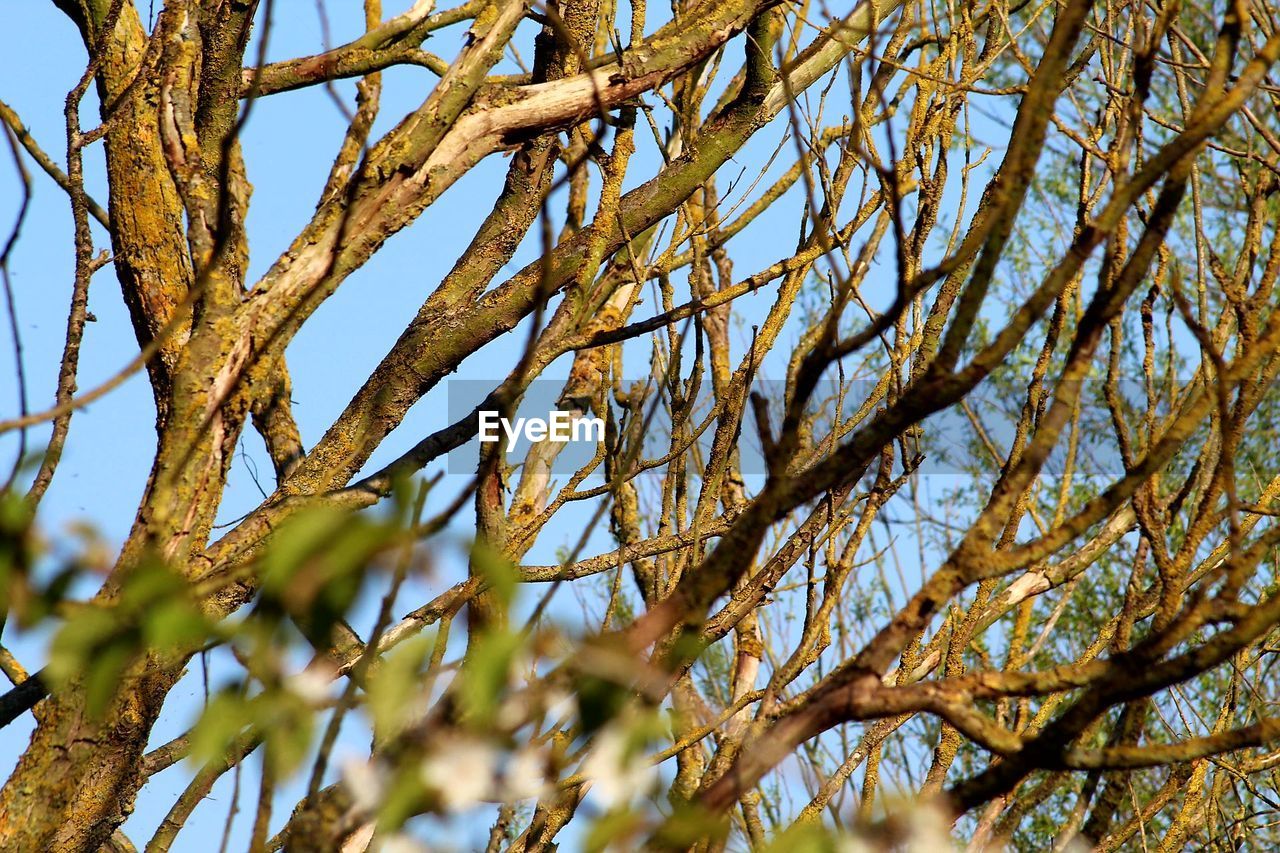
933	497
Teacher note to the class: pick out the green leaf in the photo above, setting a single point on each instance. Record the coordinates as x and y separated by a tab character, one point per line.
393	686
613	831
17	551
102	677
289	725
497	570
403	799
226	715
174	623
486	674
296	540
803	838
89	630
315	565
